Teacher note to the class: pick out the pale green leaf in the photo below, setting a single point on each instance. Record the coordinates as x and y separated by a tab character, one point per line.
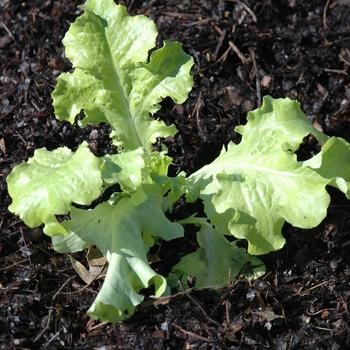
333	163
113	81
252	188
217	261
124	169
50	182
121	232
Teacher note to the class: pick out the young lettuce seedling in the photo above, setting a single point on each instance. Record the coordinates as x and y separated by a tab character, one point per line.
248	192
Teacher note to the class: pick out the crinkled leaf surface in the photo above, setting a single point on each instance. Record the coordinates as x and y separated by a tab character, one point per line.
124	169
123	232
217	260
50	182
252	188
113	81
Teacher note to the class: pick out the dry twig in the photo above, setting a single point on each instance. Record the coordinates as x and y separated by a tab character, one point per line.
256	74
239	53
194	335
198	305
325	17
246	7
308	290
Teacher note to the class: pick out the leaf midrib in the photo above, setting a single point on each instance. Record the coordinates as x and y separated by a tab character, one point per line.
126	110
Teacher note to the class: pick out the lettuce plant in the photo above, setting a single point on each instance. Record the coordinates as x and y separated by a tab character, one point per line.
248	192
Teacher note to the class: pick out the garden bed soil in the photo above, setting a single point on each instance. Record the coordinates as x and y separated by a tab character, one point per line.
242	50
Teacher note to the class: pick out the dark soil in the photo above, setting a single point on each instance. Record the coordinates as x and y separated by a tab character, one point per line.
243	50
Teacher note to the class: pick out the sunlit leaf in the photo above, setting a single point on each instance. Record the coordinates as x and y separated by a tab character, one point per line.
50	182
114	81
252	188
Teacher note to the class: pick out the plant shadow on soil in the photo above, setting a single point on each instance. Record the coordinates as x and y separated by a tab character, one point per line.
243	50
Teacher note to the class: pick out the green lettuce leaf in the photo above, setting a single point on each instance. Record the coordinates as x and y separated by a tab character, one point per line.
50	182
217	261
252	188
333	163
113	80
123	232
124	169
